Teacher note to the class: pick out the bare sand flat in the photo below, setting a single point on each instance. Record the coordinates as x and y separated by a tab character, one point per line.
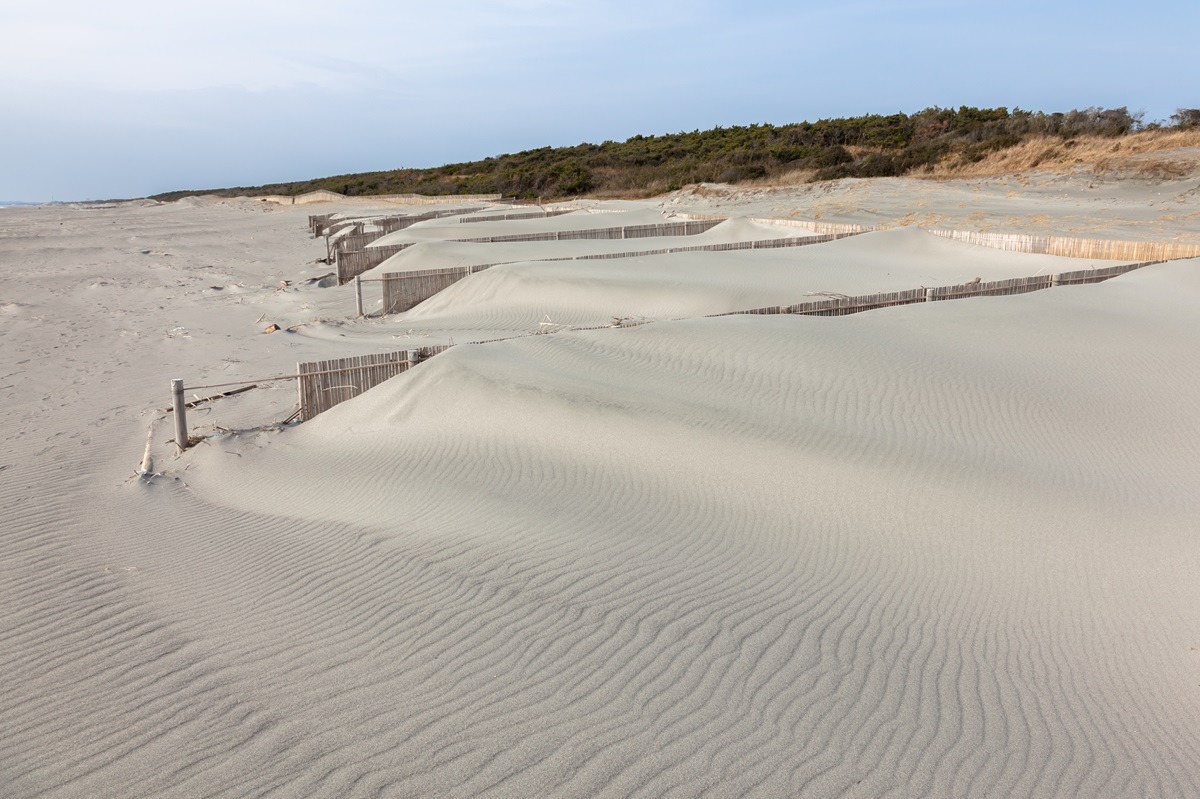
944	549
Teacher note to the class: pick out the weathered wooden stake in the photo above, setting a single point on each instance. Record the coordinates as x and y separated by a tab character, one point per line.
928	295
181	431
1054	280
300	392
414	357
358	294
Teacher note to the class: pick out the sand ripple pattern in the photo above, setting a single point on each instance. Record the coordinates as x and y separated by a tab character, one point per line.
750	556
883	555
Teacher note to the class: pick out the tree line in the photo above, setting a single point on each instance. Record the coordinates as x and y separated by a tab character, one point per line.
865	146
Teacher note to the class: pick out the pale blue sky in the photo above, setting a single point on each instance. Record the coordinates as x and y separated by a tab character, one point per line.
133	97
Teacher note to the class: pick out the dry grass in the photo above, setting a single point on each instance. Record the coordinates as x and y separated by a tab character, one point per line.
1094	153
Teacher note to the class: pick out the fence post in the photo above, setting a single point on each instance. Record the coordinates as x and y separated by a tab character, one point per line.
358	294
300	392
414	357
928	295
1054	280
181	432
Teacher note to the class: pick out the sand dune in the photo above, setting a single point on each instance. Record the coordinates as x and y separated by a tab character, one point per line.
915	523
518	295
448	253
944	549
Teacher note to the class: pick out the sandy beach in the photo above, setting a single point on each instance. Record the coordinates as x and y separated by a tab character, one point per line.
943	549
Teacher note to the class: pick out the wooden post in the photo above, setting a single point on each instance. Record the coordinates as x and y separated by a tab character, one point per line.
414	357
300	391
328	253
1054	280
358	294
928	295
181	432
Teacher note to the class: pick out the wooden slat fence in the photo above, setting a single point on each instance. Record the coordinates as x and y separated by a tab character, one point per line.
405	290
350	264
1071	247
336	226
324	384
355	242
1065	246
624	232
841	306
515	215
806	224
316	222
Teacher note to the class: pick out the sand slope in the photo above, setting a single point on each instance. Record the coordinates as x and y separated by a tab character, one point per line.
517	296
776	555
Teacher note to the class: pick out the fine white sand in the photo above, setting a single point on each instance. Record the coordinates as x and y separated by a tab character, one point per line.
945	549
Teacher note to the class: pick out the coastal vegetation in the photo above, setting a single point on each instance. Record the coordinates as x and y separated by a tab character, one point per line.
935	142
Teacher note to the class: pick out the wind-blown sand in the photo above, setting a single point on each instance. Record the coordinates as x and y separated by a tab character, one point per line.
944	549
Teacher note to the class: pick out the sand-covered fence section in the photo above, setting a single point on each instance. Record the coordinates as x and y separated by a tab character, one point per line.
352	253
1066	246
352	263
324	384
508	217
818	227
403	291
1072	247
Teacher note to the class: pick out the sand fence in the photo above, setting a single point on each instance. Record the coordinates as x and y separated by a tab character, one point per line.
1065	246
405	290
323	391
1071	247
322	385
351	263
517	215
